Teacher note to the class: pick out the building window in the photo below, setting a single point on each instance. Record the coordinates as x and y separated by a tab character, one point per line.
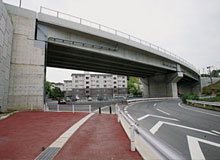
123	77
87	86
105	81
87	91
87	82
105	86
115	86
97	76
123	81
114	77
87	77
104	76
76	86
114	82
76	81
123	86
97	81
76	76
97	85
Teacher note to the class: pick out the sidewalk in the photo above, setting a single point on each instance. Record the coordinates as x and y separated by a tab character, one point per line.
23	135
100	137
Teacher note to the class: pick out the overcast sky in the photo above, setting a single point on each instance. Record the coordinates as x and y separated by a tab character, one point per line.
188	28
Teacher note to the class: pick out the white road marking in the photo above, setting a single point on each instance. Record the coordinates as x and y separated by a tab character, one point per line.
151	115
131	117
126	108
215	131
198	111
155	104
194	147
163	112
156	127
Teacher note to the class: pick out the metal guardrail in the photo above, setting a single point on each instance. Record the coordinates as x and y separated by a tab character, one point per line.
112	31
162	150
150	99
204	103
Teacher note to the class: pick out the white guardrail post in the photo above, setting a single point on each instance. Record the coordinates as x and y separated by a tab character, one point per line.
73	108
58	108
90	109
132	138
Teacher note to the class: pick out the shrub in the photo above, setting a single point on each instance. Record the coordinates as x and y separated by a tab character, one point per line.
189	96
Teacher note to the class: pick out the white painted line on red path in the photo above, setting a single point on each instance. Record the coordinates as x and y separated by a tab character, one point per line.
155	104
163	111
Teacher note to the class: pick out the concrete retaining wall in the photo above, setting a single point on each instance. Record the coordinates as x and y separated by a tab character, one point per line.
205	81
6	36
27	61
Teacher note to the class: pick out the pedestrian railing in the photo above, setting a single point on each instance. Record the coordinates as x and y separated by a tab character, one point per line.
144	141
204	103
112	31
67	108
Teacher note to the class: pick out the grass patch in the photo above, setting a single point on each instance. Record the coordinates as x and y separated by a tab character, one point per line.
205	107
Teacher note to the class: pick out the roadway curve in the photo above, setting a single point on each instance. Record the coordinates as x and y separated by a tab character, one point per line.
192	131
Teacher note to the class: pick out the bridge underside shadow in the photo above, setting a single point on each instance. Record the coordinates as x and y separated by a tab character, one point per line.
157	82
61	56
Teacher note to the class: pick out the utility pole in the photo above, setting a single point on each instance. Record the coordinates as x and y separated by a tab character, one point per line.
20	4
210	75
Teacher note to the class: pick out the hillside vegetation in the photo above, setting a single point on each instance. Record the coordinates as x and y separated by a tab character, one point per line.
208	89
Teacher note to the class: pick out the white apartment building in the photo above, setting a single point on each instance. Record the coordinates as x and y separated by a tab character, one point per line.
97	85
68	85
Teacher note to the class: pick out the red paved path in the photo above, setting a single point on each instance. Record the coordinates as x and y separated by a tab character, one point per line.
101	137
23	134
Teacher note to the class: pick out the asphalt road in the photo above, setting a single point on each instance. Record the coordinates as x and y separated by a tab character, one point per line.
192	131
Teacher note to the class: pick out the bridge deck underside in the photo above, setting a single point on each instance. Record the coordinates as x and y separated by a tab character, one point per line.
61	56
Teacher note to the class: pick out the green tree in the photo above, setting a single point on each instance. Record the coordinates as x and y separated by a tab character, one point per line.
134	86
48	87
56	93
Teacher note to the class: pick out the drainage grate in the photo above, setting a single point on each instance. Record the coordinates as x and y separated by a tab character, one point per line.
48	154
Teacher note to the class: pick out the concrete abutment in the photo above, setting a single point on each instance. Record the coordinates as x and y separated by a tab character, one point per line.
27	61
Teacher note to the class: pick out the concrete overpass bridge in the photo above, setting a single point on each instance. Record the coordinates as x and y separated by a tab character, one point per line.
64	41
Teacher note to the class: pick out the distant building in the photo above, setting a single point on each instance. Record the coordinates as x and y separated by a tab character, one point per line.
59	85
68	87
102	86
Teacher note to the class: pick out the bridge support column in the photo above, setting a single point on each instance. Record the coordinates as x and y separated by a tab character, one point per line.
161	85
191	87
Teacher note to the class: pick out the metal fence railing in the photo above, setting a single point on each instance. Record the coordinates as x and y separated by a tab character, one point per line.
204	103
162	150
112	31
67	108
